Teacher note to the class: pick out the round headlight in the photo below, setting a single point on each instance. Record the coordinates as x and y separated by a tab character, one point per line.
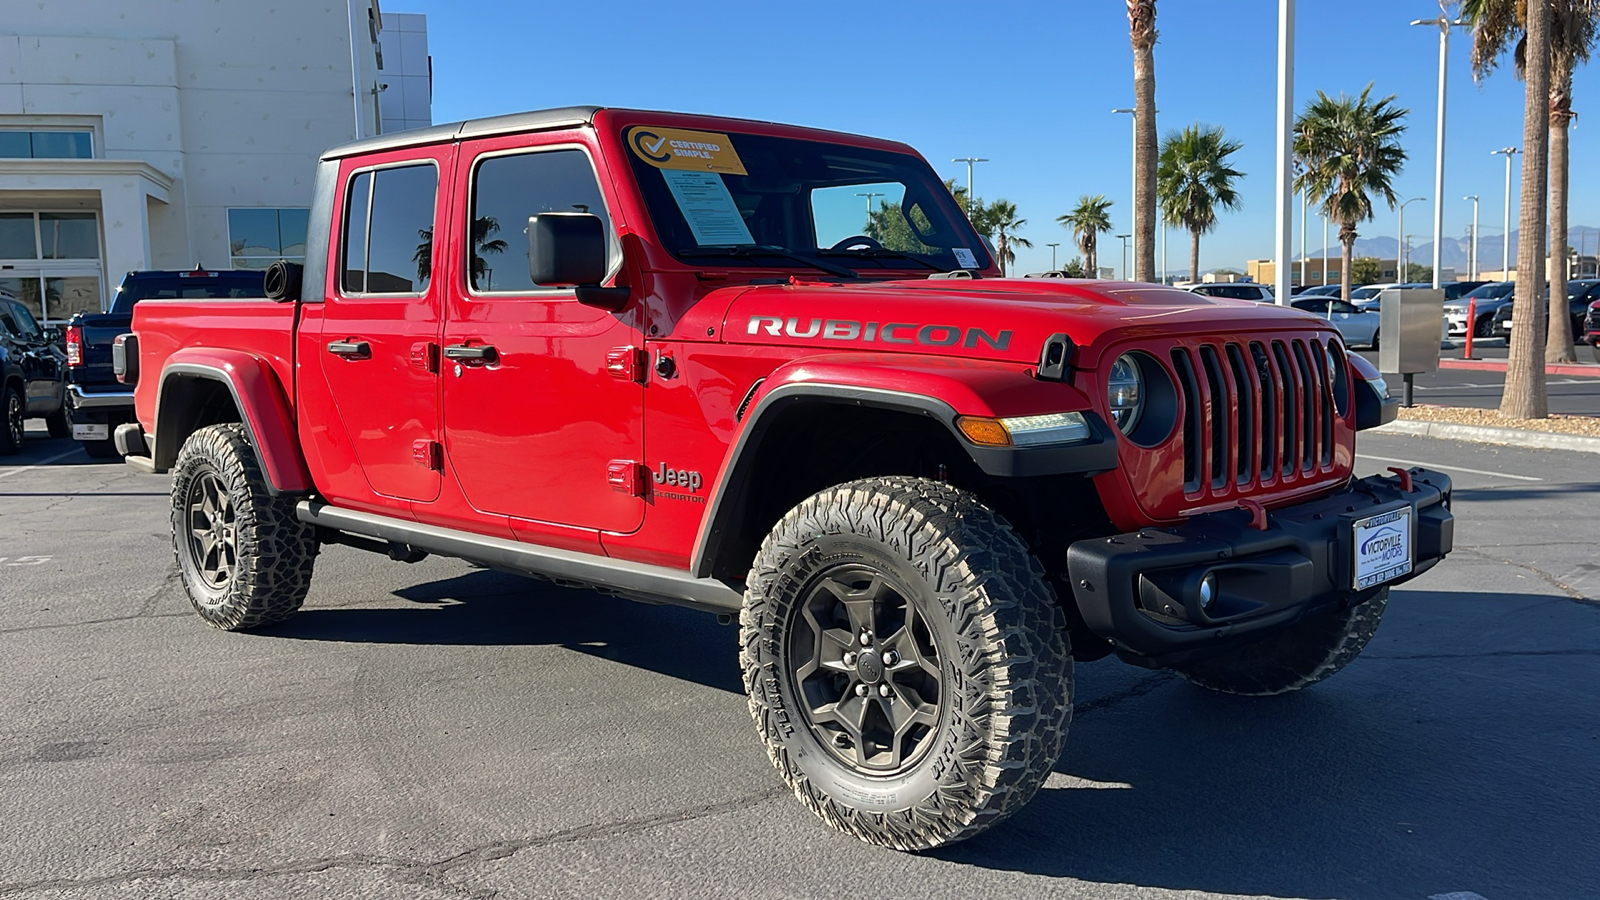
1125	393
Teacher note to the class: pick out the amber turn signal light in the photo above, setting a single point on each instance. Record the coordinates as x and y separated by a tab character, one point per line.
987	432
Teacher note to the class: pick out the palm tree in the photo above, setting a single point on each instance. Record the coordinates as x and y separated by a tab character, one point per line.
1349	151
1088	221
1194	181
483	228
1142	33
1498	25
1002	216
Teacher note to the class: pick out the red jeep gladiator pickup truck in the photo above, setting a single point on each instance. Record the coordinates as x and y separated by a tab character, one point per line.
676	358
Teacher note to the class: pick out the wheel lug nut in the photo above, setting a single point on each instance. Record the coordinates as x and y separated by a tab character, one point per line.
890	658
883	690
866	639
861	690
850	658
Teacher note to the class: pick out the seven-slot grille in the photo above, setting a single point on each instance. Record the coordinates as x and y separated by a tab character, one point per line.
1282	433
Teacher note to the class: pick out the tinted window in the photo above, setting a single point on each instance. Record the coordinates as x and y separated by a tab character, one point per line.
45	145
170	286
506	192
388	230
1320	306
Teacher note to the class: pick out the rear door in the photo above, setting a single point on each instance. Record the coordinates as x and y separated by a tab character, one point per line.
380	332
543	396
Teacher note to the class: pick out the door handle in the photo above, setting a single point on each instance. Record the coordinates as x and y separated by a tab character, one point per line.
350	349
482	354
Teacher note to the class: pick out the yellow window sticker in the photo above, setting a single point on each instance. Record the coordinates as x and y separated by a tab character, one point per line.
678	148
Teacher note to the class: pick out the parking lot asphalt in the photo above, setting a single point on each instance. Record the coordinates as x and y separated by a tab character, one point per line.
440	731
1569	394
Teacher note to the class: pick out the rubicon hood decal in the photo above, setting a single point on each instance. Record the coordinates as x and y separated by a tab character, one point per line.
885	333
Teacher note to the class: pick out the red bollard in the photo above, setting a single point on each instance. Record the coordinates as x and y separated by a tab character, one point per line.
1472	325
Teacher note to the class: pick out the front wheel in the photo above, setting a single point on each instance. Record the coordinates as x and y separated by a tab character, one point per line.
906	661
1297	657
244	558
58	424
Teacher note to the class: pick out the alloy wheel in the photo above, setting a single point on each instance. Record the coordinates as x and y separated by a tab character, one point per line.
14	417
866	669
213	533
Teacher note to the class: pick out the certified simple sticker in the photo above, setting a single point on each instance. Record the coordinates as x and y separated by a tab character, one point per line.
678	148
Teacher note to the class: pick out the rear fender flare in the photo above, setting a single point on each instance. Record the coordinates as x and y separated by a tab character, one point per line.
263	407
940	389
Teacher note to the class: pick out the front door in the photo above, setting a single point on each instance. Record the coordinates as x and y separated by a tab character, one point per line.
534	416
380	332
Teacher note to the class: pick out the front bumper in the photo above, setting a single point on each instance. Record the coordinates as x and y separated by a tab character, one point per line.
1140	590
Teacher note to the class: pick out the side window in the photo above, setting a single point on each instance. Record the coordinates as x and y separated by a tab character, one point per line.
506	192
388	231
1349	309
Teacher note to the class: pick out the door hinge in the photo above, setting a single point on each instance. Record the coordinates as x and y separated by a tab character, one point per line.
627	476
626	363
425	356
428	454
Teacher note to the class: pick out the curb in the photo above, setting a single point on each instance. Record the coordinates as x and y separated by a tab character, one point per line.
1485	434
1499	365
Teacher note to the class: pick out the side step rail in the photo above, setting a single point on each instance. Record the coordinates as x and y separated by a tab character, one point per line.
636	581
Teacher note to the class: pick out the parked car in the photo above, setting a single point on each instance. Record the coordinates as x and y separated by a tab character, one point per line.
32	366
1367	294
97	403
1580	294
1236	290
1591	329
921	494
1358	326
1322	290
1489	297
1455	289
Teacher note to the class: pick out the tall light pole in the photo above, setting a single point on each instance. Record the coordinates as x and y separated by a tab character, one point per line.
1284	218
1444	23
1124	238
969	160
1403	258
869	195
1505	235
1305	201
1474	266
1133	194
1053	247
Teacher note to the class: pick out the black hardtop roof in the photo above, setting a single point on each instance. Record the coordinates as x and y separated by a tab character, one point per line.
534	120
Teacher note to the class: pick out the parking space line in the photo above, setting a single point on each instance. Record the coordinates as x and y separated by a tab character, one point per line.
1412	462
42	462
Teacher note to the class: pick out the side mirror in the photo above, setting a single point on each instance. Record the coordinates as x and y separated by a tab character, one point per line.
569	250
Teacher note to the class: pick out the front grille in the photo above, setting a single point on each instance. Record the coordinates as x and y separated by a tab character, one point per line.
1255	414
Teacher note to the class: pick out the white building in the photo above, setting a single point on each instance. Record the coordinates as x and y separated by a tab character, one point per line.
182	133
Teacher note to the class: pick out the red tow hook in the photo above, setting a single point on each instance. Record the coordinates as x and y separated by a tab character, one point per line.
1258	513
1406	484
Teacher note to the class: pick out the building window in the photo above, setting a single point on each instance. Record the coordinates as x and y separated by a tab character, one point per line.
46	145
257	238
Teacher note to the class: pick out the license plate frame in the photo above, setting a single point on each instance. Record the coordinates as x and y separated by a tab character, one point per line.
1383	547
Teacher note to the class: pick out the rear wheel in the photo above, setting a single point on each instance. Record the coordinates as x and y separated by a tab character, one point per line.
13	411
244	558
1295	658
58	424
1485	327
906	662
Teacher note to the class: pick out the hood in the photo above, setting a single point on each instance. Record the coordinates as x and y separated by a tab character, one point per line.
995	319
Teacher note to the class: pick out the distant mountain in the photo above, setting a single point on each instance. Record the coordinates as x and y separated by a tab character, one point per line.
1454	251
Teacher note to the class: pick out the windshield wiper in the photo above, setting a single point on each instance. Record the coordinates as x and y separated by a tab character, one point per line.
745	251
885	253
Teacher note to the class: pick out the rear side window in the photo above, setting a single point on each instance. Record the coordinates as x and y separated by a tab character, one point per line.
387	242
506	191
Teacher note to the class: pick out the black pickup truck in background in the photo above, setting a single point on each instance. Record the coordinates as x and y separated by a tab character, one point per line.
97	403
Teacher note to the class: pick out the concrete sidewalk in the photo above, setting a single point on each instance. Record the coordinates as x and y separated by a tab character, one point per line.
1591	370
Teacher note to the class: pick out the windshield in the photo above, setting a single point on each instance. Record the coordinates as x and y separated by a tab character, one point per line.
1364	293
1491	291
741	199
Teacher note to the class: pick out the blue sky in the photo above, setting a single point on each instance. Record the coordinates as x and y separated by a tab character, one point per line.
1028	85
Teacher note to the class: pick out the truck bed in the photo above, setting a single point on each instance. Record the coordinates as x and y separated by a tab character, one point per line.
260	328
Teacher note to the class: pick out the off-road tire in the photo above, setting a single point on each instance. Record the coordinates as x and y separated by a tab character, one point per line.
13	411
57	424
1297	657
1004	696
272	552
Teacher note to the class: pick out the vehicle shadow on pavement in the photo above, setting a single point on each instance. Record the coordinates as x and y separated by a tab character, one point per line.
1392	779
493	608
1524	492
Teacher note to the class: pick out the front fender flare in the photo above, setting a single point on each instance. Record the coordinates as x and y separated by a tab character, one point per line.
940	389
263	408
